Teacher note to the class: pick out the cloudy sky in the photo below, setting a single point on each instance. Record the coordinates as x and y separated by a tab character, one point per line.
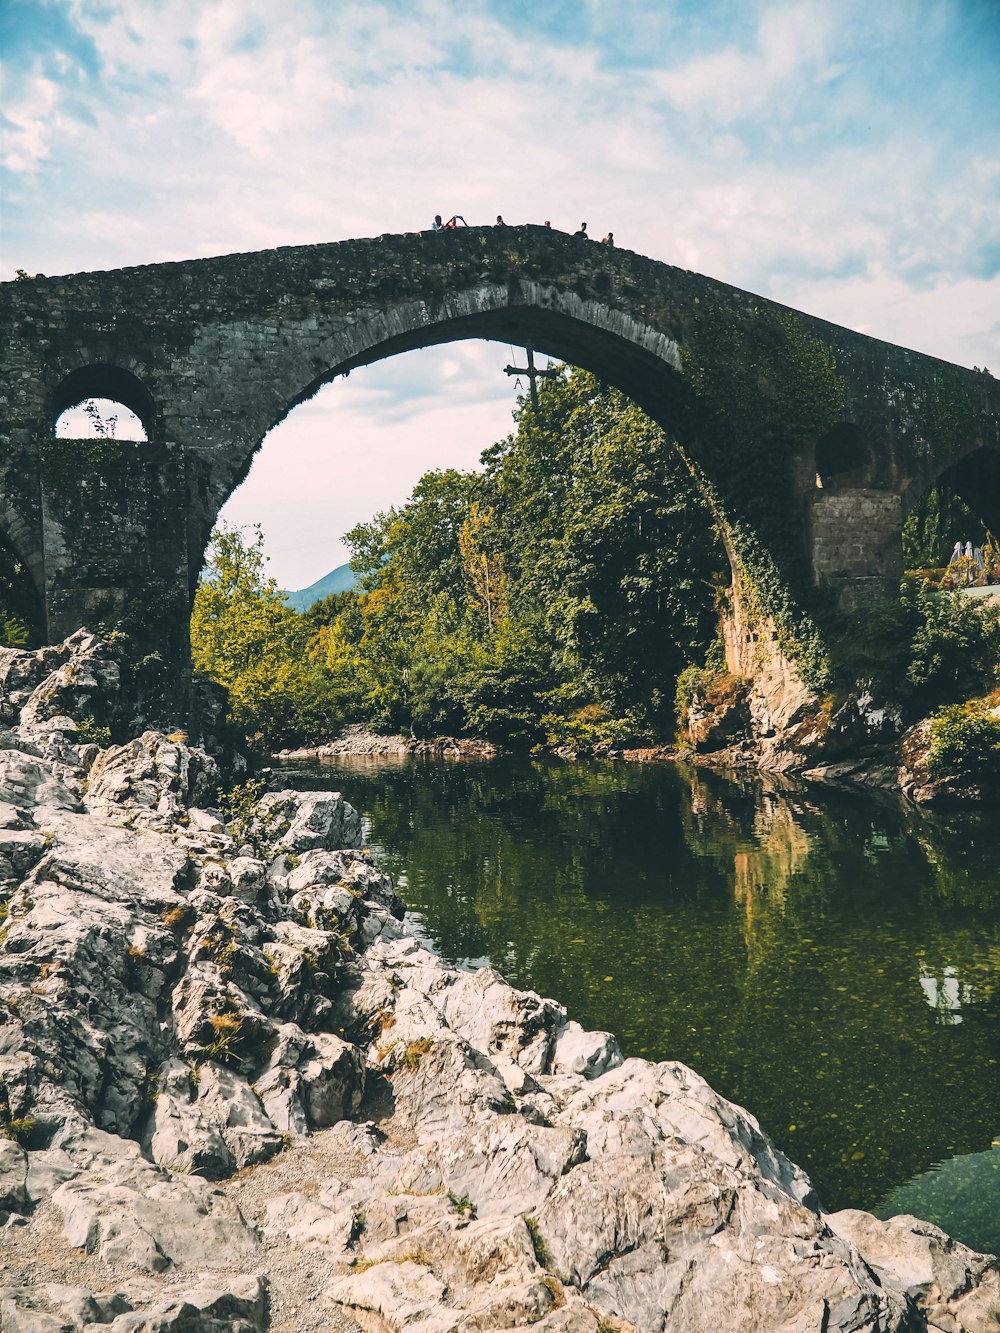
841	156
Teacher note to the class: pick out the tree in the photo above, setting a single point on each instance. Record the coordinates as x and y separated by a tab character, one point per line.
483	568
610	540
244	637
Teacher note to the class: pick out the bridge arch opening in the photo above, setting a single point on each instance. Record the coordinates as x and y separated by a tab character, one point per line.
844	458
613	513
102	400
22	614
961	506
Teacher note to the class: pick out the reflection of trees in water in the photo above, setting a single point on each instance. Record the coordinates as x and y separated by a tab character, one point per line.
964	863
769	934
847	908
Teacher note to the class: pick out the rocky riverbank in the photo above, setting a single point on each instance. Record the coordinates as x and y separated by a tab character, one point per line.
237	1095
357	742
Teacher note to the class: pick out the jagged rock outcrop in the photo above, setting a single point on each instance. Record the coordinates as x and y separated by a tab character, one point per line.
237	1094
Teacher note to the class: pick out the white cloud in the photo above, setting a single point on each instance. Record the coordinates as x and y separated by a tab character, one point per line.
732	83
31	124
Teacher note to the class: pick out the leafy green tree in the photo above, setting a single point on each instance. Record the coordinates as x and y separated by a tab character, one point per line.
607	533
244	637
573	573
955	648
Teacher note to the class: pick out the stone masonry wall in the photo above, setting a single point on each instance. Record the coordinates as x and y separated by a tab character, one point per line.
856	537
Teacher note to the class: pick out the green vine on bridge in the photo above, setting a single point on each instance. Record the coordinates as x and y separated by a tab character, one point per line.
765	594
765	391
67	461
947	416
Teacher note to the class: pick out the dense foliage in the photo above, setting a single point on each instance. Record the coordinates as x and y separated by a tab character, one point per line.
965	743
554	596
934	524
925	649
245	638
19	615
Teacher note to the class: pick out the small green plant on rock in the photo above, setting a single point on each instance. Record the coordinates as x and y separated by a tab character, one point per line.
542	1253
223	1046
357	1229
89	732
247	824
556	1291
179	918
415	1052
462	1205
16	1128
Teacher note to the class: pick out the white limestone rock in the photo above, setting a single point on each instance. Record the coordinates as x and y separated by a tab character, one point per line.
154	778
955	1289
13	1177
132	951
303	821
588	1053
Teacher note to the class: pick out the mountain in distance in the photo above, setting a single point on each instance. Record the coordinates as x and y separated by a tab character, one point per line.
341	579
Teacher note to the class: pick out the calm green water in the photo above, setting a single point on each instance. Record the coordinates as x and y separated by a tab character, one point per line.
829	961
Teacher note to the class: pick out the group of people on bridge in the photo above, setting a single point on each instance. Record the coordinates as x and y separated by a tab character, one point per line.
457	220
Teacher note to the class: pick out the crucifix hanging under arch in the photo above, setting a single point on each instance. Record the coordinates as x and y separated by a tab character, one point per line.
532	373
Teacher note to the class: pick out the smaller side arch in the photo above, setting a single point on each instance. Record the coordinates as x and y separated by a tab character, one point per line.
104	380
976	480
844	457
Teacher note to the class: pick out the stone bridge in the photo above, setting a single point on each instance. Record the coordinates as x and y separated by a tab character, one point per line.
210	354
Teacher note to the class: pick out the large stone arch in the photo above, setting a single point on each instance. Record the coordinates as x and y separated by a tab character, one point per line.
975	478
633	356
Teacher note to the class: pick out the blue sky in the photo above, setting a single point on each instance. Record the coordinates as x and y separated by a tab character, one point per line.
837	155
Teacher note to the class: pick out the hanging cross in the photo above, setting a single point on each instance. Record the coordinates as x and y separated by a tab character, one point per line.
532	372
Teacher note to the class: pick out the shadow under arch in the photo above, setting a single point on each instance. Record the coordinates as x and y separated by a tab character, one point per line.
975	479
103	380
961	504
844	458
21	580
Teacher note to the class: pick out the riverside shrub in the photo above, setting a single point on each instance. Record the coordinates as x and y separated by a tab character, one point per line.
955	649
965	743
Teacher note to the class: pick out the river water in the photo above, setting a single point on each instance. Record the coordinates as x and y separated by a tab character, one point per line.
831	961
